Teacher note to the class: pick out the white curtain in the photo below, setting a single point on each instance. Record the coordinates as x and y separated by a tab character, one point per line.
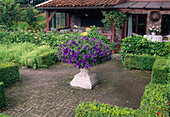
130	25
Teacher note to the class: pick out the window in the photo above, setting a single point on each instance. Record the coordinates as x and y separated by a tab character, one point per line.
58	21
91	19
165	25
139	24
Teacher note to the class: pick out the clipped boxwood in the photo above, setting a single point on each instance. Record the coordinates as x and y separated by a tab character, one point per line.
154	101
43	56
9	73
141	62
102	110
3	101
160	70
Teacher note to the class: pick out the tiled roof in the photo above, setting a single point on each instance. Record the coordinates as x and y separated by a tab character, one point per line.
78	3
145	5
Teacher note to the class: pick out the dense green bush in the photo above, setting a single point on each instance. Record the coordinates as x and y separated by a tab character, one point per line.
9	73
9	13
3	115
102	110
154	101
3	101
140	45
43	56
160	70
141	62
14	52
37	38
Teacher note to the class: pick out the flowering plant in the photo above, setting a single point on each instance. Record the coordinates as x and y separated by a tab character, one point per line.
83	52
154	29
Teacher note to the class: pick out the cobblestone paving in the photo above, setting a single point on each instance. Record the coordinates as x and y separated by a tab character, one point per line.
47	93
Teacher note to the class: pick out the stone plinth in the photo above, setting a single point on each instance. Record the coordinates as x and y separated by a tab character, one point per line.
84	79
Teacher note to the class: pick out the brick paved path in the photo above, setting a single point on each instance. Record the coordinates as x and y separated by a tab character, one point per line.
47	93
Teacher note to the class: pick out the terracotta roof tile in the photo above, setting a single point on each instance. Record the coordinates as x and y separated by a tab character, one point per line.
79	3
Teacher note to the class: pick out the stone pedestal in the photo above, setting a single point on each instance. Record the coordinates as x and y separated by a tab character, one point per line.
84	79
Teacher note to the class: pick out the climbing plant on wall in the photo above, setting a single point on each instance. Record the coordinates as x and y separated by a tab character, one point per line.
116	17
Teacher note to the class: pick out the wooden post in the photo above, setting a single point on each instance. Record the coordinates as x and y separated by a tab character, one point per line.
113	32
67	20
47	22
48	18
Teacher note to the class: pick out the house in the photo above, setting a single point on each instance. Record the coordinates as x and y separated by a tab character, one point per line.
141	15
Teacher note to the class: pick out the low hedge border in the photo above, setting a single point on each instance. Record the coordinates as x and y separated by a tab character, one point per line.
9	73
154	103
102	110
160	71
3	101
141	62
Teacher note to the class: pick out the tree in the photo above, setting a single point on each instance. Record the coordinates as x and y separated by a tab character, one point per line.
29	16
9	13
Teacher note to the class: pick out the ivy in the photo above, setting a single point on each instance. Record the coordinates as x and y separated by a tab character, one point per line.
118	18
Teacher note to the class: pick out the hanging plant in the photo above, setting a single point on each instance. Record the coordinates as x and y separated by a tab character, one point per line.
118	18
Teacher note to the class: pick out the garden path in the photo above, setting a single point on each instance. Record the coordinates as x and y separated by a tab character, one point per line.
47	93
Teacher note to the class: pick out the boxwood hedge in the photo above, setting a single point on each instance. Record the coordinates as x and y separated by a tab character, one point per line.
3	101
9	73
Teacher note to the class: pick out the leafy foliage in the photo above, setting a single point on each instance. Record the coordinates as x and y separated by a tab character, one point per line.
140	45
9	13
102	110
9	73
14	52
154	101
3	101
141	62
116	16
28	15
160	71
43	56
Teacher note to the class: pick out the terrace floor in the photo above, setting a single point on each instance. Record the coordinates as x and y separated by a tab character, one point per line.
47	93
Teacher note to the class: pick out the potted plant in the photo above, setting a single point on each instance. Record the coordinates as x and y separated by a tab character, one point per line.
154	29
83	53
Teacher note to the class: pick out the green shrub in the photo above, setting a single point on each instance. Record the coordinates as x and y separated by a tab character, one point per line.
141	62
160	71
14	52
9	73
102	110
3	101
42	56
154	101
3	115
140	45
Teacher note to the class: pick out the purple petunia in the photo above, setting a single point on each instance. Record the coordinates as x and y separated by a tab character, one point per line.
94	55
87	65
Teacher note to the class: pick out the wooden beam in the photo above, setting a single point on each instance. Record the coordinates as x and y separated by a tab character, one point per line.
52	15
48	18
113	32
137	18
67	20
47	22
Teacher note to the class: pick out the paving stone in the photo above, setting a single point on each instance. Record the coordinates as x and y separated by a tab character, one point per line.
47	93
